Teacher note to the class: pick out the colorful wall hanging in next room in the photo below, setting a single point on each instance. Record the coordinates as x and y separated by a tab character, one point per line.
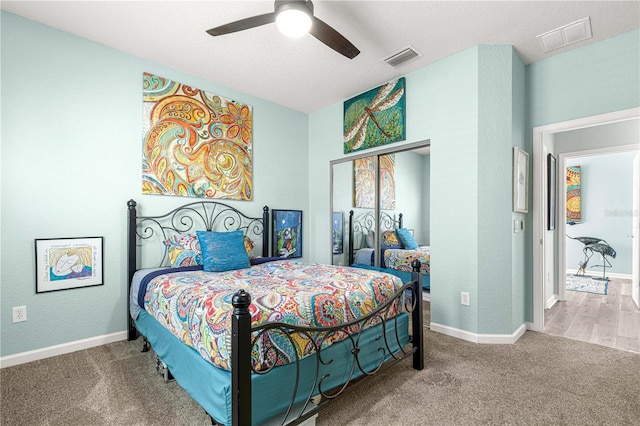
574	207
376	117
364	180
195	144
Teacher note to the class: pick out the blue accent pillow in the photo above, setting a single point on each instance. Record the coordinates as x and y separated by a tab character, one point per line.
407	240
223	251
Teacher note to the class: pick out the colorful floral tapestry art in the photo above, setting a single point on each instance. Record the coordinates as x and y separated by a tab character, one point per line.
364	177
574	208
195	144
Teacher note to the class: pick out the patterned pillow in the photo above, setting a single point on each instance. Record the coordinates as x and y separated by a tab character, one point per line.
223	251
183	250
407	240
389	238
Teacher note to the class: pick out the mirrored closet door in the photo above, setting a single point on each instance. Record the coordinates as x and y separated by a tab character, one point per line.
374	194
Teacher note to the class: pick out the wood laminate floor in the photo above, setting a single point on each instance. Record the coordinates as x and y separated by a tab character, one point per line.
610	320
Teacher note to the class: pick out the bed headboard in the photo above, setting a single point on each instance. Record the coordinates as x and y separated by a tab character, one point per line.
366	221
146	234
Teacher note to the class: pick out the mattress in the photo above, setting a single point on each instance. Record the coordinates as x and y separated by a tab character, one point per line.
195	306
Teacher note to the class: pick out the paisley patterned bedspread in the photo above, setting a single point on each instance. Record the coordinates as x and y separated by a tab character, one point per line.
401	259
196	306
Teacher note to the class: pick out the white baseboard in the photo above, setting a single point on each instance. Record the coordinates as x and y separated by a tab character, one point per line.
65	348
480	338
595	274
552	301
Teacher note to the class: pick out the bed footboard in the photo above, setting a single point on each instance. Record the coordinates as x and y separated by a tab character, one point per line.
316	396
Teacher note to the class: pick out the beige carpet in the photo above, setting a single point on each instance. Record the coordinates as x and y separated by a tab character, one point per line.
540	380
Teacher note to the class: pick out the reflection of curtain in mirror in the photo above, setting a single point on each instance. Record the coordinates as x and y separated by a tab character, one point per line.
574	213
364	174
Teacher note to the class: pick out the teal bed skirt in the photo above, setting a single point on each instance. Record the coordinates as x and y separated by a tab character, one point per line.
210	386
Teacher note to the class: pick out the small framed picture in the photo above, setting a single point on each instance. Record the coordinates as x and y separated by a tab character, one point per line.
520	180
66	263
287	233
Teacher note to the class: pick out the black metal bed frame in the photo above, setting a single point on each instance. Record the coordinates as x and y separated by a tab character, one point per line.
244	336
368	221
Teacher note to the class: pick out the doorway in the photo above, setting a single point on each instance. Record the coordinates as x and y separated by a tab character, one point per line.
542	241
596	310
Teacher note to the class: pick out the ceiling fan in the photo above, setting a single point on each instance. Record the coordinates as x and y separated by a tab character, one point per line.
296	14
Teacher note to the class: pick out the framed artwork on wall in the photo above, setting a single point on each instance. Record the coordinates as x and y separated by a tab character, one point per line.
287	233
376	117
195	143
574	200
66	263
520	180
552	184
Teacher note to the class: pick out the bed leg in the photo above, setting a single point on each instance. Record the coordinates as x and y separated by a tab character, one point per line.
417	317
213	421
241	359
145	345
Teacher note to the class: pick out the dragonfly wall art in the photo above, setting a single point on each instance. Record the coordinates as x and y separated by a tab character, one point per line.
376	117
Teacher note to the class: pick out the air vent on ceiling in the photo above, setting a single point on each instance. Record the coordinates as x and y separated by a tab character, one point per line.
402	56
565	35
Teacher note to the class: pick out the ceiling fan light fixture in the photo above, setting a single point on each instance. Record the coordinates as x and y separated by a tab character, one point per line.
293	19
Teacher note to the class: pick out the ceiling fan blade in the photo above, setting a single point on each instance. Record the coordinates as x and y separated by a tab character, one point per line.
333	39
243	24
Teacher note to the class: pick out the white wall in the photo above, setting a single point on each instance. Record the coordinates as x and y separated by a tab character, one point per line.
606	196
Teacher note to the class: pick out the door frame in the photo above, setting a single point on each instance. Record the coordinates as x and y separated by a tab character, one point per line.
635	234
539	197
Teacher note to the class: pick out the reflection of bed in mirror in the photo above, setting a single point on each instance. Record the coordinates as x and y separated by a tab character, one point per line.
398	248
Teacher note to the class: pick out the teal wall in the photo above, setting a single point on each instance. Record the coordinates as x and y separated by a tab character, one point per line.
449	118
71	158
595	79
500	309
520	246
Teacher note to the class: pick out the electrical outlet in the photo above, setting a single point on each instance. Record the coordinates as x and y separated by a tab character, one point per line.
19	313
464	298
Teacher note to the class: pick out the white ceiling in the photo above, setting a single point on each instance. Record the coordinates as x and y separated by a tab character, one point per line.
303	74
